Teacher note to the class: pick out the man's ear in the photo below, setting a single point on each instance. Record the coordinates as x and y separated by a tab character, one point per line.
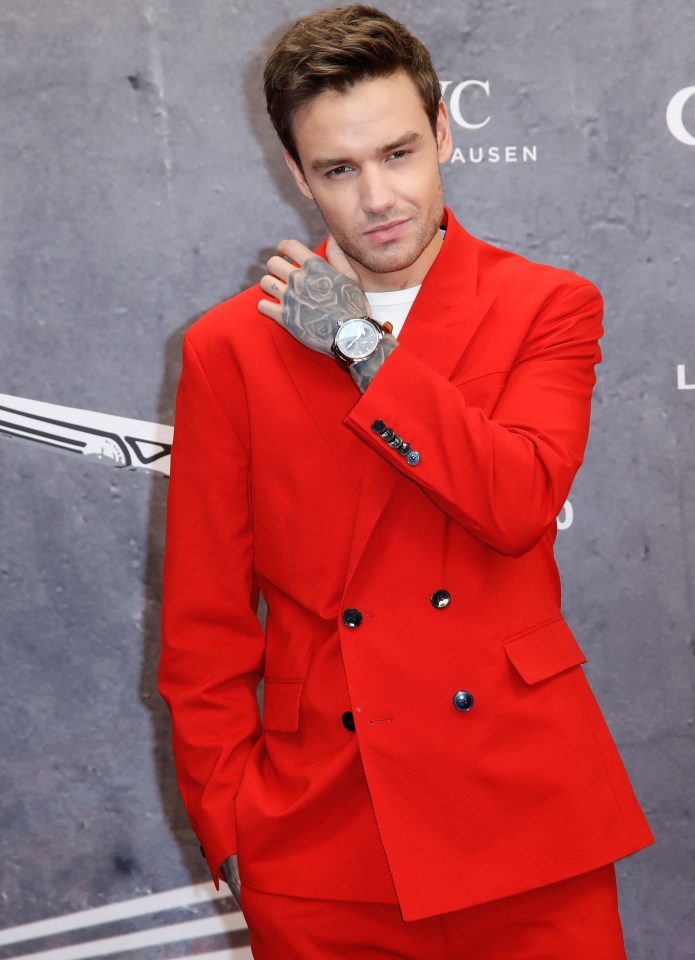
298	176
445	145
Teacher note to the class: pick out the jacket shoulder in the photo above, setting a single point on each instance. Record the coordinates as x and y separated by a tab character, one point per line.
236	320
511	273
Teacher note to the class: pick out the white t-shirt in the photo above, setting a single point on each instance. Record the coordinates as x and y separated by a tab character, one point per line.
392	306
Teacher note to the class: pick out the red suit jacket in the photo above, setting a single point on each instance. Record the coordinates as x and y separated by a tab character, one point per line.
281	480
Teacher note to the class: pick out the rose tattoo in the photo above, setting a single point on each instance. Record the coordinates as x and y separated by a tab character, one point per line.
316	300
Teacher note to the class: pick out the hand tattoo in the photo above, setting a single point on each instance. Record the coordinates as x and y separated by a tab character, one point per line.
230	872
364	371
316	299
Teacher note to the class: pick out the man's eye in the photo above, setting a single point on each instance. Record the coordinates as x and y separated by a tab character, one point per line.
398	154
338	171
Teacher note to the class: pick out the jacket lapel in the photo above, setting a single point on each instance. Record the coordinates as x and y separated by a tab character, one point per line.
448	311
440	327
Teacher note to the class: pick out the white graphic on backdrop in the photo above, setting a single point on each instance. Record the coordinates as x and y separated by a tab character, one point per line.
681	378
566	518
170	931
119	441
455	106
115	440
675	116
469	103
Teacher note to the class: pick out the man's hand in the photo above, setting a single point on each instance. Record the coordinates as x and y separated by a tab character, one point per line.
230	872
314	295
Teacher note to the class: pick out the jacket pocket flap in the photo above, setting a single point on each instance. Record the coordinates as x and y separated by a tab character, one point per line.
544	652
281	703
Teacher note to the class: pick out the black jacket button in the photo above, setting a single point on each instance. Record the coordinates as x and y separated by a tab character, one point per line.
404	449
378	426
352	617
413	458
396	443
463	701
440	599
388	434
348	721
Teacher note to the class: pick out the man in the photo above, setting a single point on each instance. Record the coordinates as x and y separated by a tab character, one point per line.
432	776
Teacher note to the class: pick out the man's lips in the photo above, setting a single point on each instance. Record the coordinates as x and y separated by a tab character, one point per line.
384	232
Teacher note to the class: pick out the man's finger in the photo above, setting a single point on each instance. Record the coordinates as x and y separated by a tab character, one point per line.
295	250
336	257
273	286
270	309
280	268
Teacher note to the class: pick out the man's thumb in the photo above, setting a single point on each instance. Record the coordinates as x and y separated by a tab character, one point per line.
336	257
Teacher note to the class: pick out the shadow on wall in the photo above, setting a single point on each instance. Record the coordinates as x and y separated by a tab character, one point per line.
286	190
315	230
159	714
171	803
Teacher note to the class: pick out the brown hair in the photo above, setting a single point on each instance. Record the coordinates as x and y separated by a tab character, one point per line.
336	49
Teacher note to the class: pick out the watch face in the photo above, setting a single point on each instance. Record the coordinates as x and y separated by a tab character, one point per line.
357	339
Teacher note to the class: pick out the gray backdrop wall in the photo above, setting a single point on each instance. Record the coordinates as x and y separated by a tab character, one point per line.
140	183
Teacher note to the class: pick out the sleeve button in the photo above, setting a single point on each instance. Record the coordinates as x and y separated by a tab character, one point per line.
413	458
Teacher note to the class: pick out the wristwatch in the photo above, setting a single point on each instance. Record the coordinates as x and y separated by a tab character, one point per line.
356	339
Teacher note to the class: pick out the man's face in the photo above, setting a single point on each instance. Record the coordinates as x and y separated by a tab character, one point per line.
371	162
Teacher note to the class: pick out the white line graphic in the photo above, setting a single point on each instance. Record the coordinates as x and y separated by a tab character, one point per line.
182	897
173	933
120	441
238	953
200	893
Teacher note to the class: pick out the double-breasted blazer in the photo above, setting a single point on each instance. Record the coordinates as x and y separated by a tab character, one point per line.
428	735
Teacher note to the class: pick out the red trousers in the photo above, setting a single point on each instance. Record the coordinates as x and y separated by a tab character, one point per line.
576	919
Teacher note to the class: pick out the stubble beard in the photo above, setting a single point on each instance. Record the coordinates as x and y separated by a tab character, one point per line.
393	259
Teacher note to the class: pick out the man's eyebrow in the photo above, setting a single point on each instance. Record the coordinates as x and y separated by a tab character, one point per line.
328	162
403	141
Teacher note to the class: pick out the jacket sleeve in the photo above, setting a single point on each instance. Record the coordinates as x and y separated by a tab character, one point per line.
504	477
212	641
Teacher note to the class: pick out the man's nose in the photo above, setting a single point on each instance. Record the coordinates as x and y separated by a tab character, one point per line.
377	190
